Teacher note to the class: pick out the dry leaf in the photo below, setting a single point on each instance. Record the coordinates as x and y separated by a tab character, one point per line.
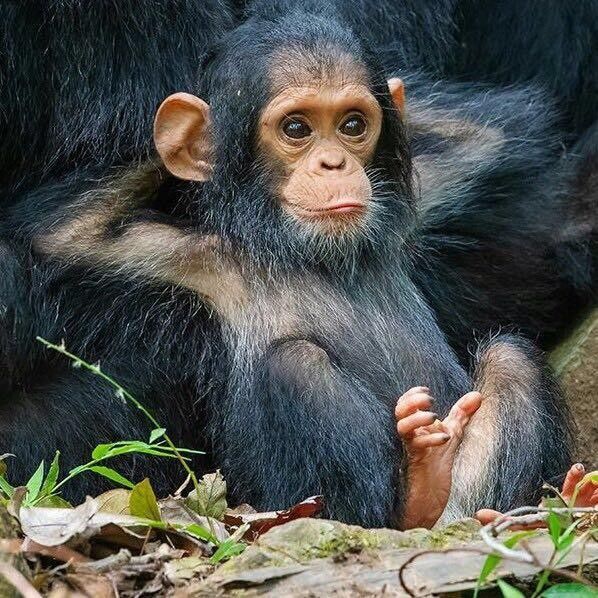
210	499
260	523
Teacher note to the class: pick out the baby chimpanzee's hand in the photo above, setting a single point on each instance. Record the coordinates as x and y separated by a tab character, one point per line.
430	448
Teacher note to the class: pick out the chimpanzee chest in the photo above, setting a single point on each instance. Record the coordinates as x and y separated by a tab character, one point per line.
383	338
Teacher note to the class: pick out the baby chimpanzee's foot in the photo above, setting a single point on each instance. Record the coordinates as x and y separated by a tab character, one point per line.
430	448
576	485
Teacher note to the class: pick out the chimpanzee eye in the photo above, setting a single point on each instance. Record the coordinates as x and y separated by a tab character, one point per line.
354	126
296	128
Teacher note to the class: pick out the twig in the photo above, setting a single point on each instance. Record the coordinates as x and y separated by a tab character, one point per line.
59	553
417	555
19	581
523	516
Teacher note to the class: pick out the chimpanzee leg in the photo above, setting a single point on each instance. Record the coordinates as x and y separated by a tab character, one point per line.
302	427
519	438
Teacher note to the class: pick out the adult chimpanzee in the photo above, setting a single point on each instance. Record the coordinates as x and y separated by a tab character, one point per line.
297	216
505	239
80	81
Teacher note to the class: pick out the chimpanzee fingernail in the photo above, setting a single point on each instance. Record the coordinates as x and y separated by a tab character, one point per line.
579	467
446	437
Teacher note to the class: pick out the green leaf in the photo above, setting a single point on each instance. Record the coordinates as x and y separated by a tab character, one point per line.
490	564
142	502
565	542
53	501
508	591
226	550
35	483
210	498
493	560
52	476
6	487
201	532
112	475
157	433
554	528
570	590
100	451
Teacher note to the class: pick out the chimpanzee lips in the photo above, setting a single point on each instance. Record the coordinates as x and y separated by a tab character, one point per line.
345	206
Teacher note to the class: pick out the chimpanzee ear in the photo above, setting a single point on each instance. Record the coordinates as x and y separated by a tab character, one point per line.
183	138
397	91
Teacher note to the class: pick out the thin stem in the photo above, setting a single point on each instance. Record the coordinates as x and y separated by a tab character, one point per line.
94	369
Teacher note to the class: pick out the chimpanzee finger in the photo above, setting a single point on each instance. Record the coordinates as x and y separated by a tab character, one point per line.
486	516
407	426
573	477
410	403
429	440
586	494
461	412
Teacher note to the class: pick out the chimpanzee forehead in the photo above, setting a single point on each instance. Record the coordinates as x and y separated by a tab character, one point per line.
302	67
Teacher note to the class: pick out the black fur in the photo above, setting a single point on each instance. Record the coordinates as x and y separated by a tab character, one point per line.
293	392
552	45
496	244
80	81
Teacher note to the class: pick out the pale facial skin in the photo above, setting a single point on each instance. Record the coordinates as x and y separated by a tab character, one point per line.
323	137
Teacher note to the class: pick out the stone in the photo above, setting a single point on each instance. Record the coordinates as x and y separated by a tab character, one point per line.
575	362
303	540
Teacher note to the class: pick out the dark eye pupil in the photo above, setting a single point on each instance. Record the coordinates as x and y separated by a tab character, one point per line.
296	129
353	126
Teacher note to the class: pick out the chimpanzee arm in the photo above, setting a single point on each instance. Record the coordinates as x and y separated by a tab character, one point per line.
491	213
299	426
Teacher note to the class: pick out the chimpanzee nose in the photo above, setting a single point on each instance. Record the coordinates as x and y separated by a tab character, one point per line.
332	159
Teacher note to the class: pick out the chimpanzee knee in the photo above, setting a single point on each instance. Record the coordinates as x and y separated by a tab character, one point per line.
312	430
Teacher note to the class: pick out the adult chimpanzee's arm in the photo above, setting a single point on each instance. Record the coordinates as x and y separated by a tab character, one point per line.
493	207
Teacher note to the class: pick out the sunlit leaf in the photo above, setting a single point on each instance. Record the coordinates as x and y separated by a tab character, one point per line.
508	591
35	483
6	487
109	473
201	533
554	527
157	433
143	503
52	476
226	550
100	451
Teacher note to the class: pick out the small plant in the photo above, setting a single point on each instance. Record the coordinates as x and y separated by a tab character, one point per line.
43	489
562	526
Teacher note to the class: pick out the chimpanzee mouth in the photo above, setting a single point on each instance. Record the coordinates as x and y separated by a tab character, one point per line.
344	207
